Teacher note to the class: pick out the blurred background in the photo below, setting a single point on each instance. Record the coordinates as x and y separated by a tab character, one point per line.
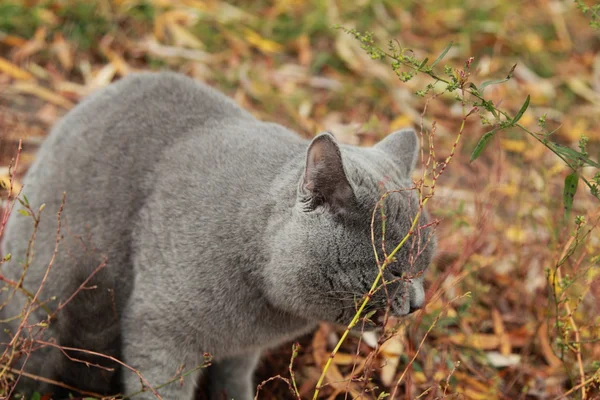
524	331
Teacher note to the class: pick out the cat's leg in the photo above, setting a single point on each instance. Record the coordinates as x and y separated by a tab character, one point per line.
232	378
150	346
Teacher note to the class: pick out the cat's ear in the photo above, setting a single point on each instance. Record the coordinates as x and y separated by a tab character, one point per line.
324	181
403	147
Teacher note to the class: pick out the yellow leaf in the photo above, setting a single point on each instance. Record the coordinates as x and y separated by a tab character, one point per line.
574	132
474	395
391	350
509	189
265	45
46	16
5	183
516	146
346	359
184	38
533	42
582	88
515	235
198	5
477	341
42	93
419	377
526	119
402	121
159	27
103	77
483	261
13	41
557	169
474	383
437	375
13	70
63	51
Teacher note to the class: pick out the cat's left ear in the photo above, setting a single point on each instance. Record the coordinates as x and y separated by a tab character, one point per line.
324	181
403	147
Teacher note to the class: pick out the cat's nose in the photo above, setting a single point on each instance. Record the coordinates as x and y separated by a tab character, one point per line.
413	309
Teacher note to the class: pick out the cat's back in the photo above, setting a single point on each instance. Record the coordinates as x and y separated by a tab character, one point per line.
128	124
101	153
112	139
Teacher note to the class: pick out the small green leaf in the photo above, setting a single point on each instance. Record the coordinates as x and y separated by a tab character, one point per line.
7	257
481	144
495	82
370	314
473	88
35	396
437	60
521	111
423	63
24	212
569	191
573	155
26	199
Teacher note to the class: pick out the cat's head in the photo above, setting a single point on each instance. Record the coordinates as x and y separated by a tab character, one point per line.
323	256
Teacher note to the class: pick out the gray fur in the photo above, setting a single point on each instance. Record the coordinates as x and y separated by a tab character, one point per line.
223	235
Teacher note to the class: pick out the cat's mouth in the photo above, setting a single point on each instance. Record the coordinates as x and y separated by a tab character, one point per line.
380	317
383	316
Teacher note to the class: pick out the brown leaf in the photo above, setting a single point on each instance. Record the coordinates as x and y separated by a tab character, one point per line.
505	346
391	350
304	50
319	345
549	355
32	46
63	51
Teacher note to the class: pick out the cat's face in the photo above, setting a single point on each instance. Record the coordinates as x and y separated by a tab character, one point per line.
324	261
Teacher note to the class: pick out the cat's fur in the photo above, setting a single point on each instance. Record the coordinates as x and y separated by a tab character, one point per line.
221	234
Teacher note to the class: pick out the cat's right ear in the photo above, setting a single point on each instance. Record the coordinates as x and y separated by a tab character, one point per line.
403	147
324	182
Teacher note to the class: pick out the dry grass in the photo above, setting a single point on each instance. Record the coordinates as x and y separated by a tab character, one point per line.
530	327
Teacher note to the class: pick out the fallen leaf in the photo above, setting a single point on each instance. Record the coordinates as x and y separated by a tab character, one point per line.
182	37
549	355
304	50
13	70
36	44
265	45
498	360
479	341
13	41
102	77
370	338
581	88
391	350
515	234
347	359
500	331
42	93
401	121
63	51
515	146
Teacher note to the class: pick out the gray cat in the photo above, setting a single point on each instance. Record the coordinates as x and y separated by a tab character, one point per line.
221	234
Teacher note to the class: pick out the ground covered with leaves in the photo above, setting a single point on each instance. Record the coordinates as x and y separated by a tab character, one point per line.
514	293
